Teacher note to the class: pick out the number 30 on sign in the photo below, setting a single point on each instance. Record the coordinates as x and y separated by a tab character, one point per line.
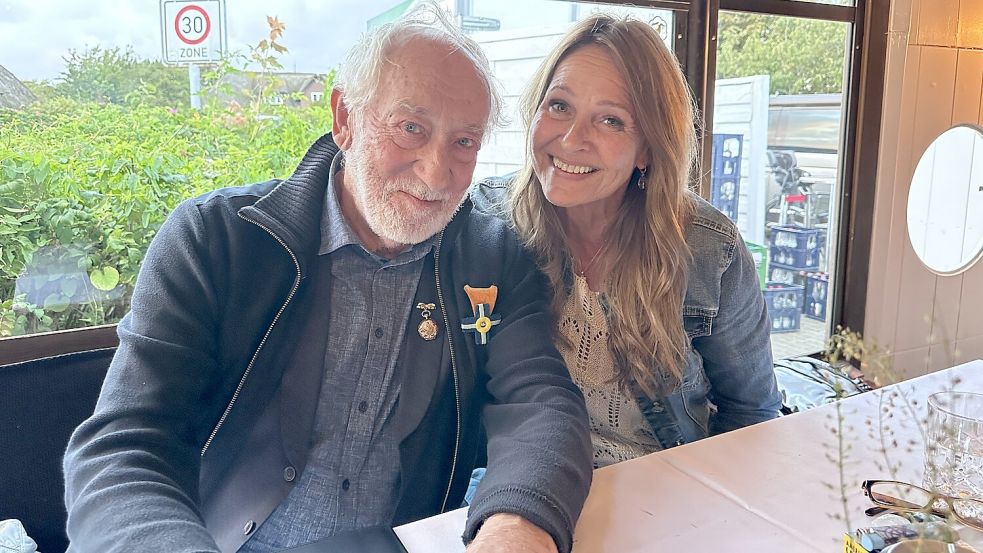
193	31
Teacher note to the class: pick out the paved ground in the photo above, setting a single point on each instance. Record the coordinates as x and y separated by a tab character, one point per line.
810	338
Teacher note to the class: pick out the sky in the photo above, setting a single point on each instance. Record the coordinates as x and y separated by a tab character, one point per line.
36	34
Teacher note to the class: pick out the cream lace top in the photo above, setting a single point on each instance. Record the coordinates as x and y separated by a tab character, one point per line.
619	431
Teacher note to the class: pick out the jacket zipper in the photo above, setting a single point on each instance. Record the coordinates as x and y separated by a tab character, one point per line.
252	361
457	391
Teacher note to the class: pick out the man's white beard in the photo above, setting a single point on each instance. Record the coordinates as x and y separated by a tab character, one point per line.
389	220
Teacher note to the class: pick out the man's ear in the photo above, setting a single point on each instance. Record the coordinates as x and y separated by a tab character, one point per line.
341	125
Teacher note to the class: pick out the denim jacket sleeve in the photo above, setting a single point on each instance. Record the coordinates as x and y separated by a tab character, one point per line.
736	347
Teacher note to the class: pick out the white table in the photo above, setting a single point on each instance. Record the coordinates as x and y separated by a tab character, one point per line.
775	486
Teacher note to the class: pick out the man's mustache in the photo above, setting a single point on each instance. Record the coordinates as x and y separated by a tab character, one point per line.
417	189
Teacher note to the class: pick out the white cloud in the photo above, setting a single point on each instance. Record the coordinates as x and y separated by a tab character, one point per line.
36	34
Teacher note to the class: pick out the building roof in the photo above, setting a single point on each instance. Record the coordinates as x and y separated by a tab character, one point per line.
246	84
13	93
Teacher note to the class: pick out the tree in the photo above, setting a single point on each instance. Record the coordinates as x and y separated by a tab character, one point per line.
115	76
802	56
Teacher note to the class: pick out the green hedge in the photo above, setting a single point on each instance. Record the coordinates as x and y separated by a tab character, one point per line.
84	187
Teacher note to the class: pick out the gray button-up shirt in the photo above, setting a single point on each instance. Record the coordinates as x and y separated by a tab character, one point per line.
352	474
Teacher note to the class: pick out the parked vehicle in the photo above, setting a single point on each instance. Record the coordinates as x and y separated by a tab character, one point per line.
797	201
803	150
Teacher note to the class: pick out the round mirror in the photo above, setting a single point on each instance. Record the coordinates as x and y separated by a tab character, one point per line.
945	203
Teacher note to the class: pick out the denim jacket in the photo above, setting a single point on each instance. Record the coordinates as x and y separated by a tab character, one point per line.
729	380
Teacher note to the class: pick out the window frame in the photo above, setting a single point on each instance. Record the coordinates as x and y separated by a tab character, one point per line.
695	26
863	97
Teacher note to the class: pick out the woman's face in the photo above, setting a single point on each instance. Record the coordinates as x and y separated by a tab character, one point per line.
584	135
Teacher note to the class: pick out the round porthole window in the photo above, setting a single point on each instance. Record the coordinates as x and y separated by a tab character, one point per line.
945	203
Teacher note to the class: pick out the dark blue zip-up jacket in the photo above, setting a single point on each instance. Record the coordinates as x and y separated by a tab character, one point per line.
204	422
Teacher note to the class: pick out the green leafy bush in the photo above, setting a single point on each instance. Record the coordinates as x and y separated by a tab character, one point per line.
802	56
114	75
85	185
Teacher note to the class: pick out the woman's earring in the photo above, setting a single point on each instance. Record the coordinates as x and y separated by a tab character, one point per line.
642	180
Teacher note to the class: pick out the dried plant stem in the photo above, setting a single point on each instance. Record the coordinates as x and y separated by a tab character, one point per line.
843	449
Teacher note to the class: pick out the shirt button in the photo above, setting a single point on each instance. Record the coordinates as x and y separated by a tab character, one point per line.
289	474
379	333
346	484
363	407
248	528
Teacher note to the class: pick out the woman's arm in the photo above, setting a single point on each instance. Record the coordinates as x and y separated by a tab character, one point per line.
737	353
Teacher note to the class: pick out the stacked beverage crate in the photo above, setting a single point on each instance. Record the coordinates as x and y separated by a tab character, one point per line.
784	306
815	284
796	248
725	180
786	276
793	259
817	292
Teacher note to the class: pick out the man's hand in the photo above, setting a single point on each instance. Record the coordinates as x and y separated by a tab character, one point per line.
508	533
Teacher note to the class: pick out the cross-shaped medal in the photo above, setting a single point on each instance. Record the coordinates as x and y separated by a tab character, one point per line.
481	323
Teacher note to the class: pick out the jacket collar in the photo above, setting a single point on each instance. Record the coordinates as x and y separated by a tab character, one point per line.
292	210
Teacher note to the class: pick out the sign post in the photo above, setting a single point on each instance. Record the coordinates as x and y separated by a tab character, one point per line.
193	33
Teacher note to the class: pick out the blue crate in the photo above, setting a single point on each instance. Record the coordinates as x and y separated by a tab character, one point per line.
816	296
786	275
724	195
784	306
796	259
788	236
726	154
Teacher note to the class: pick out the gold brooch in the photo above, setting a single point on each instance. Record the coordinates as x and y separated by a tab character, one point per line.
428	328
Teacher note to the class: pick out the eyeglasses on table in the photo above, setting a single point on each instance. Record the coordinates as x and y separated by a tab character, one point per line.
902	496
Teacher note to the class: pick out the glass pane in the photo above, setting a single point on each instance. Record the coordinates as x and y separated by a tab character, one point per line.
98	141
525	31
779	110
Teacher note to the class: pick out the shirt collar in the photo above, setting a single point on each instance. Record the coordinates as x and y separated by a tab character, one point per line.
336	233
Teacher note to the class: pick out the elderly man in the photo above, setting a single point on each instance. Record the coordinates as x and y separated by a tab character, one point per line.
320	355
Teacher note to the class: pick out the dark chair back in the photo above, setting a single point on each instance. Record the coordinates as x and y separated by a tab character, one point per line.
41	403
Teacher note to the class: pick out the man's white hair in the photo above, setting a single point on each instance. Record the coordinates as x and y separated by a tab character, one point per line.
360	74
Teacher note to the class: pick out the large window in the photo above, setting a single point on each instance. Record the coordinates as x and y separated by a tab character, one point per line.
778	121
99	140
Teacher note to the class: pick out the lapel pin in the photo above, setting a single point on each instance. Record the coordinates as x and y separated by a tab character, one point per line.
483	305
427	328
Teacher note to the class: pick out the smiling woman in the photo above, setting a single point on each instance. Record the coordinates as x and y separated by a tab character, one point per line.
655	298
576	112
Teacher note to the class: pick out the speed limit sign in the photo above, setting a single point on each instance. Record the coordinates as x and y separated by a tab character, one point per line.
193	31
